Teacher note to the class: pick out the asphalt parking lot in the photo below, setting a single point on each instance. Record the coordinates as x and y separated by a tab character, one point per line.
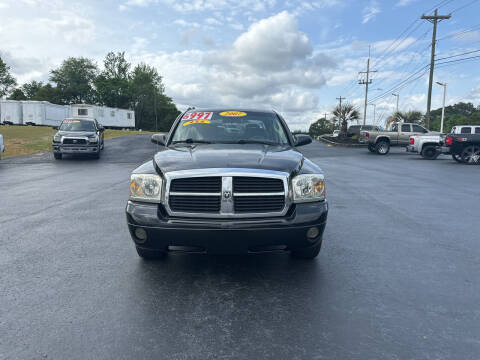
397	277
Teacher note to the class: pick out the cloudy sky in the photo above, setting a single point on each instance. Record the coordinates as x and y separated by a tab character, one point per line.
293	56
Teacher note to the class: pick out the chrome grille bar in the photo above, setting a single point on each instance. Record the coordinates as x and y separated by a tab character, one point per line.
227	194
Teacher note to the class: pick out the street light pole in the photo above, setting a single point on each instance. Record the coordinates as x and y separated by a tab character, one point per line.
398	97
374	111
443	106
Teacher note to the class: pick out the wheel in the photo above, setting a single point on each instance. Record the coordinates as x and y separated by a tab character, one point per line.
430	152
150	254
457	158
57	156
307	253
97	155
471	155
371	148
382	147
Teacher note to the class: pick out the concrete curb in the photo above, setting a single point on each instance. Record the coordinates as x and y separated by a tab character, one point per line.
326	141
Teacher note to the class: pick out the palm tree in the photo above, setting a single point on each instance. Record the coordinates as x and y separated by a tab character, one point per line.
345	113
411	116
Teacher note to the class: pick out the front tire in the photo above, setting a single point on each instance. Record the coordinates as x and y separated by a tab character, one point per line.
382	147
457	158
430	152
150	254
307	253
57	156
97	155
471	155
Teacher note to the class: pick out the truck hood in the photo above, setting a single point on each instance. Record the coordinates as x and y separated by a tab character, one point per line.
248	156
76	133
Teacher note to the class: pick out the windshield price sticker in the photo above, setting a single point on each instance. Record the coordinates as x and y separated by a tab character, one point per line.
198	116
233	113
196	122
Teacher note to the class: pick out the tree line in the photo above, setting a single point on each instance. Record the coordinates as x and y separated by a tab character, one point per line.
458	114
118	84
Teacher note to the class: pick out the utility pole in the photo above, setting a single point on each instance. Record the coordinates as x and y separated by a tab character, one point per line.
366	82
434	19
443	106
398	97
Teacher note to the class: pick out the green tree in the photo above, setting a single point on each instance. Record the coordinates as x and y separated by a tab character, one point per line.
320	127
113	84
49	93
75	80
7	81
345	113
17	94
30	89
153	109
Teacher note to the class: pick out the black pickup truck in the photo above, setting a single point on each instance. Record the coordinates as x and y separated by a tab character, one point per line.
228	181
466	147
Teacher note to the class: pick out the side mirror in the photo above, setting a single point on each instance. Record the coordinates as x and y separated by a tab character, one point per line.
301	140
55	127
101	128
159	139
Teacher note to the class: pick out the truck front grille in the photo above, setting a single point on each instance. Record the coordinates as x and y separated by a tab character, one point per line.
195	204
230	194
74	141
258	204
246	184
197	185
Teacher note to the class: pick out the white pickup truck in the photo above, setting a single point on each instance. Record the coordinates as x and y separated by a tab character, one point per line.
429	146
2	146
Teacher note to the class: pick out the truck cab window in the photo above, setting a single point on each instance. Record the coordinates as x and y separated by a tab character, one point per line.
466	130
406	128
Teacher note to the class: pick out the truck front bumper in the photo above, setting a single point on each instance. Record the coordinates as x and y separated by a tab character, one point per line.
444	150
76	149
232	236
411	148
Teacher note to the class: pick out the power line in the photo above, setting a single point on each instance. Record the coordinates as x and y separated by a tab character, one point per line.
452	56
459	60
464	6
460	33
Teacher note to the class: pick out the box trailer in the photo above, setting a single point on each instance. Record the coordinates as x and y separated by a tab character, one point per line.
107	116
44	113
11	112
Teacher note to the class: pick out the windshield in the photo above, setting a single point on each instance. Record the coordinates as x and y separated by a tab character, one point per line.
77	125
230	127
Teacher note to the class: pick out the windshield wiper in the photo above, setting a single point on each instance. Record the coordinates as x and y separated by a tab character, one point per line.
255	142
191	141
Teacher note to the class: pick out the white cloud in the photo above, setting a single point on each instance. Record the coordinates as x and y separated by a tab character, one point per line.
370	11
404	2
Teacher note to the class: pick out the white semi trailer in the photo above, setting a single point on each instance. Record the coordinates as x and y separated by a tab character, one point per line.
44	113
11	112
107	116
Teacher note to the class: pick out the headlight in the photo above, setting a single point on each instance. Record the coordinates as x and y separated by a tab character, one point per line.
93	139
146	187
57	138
308	187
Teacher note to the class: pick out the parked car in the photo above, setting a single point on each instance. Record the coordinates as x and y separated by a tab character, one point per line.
465	146
78	136
356	129
2	146
213	190
429	146
399	135
335	133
